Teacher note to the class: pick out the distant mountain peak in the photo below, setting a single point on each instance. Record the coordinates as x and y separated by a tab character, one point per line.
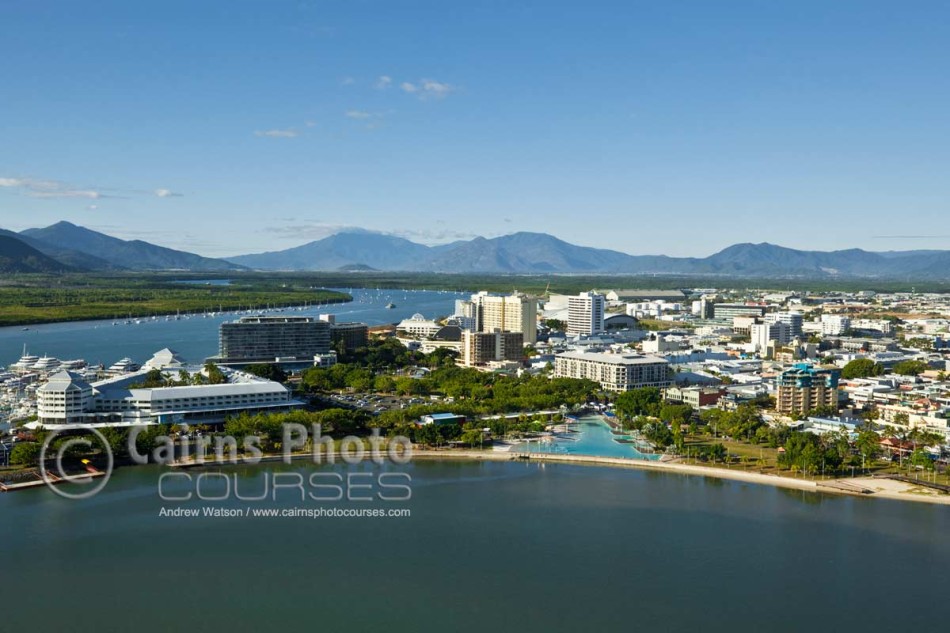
116	252
64	224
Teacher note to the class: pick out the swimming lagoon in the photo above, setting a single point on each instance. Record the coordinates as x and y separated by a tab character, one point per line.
591	435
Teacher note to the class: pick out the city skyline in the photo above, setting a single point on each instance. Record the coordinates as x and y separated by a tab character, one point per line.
755	123
427	315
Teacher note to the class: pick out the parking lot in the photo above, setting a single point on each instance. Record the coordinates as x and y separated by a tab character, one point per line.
376	404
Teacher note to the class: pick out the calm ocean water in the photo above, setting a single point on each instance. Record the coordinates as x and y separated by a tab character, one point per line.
489	547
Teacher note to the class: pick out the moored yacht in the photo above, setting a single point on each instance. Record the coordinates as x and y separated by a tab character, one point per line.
25	364
123	366
46	364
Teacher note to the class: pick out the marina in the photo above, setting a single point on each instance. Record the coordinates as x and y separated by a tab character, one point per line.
96	349
195	336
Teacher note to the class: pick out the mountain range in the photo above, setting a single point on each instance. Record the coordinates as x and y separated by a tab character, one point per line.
541	253
68	247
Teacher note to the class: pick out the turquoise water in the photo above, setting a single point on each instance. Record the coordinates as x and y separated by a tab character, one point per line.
593	437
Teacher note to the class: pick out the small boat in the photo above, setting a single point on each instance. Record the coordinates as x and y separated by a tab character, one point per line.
390	306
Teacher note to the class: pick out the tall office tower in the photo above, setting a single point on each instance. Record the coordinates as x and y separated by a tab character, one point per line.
585	314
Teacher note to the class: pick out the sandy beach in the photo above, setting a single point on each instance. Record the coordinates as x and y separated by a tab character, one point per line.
877	487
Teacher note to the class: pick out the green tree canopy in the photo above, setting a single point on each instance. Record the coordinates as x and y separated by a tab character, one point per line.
25	454
214	373
910	367
644	401
268	371
862	368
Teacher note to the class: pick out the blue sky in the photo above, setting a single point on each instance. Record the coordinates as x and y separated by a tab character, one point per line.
648	127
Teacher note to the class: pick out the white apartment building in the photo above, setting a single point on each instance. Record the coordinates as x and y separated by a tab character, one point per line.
834	325
614	372
586	314
873	325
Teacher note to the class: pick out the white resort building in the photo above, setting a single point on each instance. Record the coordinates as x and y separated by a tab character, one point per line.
418	326
67	399
614	372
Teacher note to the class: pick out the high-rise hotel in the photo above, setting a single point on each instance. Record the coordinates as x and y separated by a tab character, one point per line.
268	338
585	314
511	313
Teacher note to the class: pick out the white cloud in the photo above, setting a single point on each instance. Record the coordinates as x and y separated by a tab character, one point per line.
435	88
32	184
52	189
348	81
359	115
384	82
35	188
310	123
92	207
67	193
426	88
287	133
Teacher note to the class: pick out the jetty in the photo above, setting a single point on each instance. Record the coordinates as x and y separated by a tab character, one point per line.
52	479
